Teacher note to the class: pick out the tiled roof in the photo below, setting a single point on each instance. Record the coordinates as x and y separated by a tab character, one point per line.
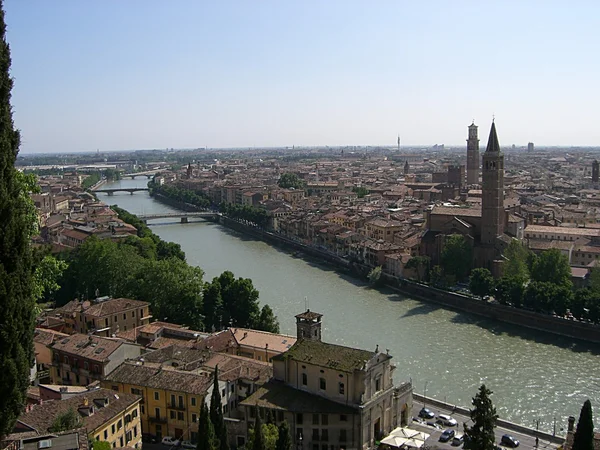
262	339
457	211
114	306
328	355
46	336
218	342
41	417
232	368
276	395
156	377
90	347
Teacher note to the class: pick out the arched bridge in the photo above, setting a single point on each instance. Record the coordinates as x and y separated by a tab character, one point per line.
184	216
130	190
148	174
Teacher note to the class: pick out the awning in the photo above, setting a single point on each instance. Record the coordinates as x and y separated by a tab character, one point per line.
405	438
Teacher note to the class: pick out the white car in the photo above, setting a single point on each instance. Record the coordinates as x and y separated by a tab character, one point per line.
446	420
188	444
168	440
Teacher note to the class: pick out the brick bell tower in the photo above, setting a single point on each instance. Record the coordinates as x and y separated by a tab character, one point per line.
492	211
473	155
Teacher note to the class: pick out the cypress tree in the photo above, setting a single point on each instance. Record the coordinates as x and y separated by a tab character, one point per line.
259	439
16	300
481	435
206	432
284	441
584	434
216	413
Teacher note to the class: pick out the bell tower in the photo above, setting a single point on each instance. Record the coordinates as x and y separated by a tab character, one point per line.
308	326
492	210
473	155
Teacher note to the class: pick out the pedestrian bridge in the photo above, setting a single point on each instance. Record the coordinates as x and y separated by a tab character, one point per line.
183	216
124	189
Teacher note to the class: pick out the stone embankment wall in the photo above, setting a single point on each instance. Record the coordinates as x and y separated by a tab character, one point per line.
501	422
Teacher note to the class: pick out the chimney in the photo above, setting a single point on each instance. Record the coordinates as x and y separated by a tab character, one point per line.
571	427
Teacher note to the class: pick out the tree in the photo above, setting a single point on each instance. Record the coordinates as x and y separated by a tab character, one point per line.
360	191
284	440
515	266
46	276
267	320
66	421
213	305
258	441
17	314
481	436
101	445
421	266
510	291
206	432
553	267
438	277
457	257
240	301
374	276
584	434
290	180
481	282
216	413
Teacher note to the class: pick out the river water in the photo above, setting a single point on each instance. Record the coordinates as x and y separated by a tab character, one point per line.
448	353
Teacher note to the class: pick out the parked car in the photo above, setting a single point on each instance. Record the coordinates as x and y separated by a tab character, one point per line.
168	440
148	438
447	435
426	413
188	444
458	440
447	420
509	441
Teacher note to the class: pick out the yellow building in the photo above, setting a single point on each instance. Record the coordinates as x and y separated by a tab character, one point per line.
382	229
171	398
259	345
107	416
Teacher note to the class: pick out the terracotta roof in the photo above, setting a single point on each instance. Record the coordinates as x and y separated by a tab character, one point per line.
456	211
46	336
41	417
90	347
262	339
309	315
218	342
562	230
276	395
114	306
232	368
156	377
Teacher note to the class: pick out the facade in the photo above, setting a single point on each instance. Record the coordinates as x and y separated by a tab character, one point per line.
332	396
80	359
595	171
105	415
456	176
530	147
383	229
473	156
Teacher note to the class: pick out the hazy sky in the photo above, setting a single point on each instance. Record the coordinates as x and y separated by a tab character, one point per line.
133	74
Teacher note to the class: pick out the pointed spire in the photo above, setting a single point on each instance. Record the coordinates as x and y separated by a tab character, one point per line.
493	145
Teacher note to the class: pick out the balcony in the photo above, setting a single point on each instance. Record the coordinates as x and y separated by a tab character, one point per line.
157	419
177	406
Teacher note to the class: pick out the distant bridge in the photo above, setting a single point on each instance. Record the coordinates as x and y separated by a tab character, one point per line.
184	216
148	174
124	189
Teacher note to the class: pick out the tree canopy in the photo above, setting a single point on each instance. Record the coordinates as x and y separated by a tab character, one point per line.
457	257
481	282
66	421
18	222
480	436
515	265
552	266
290	180
206	433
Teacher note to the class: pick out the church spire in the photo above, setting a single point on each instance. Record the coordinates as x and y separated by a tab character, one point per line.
493	145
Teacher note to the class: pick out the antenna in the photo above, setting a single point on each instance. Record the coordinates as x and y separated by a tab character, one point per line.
306	303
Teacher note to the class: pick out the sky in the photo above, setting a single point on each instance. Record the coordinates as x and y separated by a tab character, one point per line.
140	74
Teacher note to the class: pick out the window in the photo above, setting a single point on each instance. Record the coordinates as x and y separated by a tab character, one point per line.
180	401
128	436
378	384
324	435
134	414
115	388
105	434
156	396
304	379
341	388
136	391
299	418
66	360
315	436
324	419
115	319
86	366
132	313
105	322
124	316
322	384
135	431
194	418
180	416
299	433
112	429
343	418
98	437
223	393
315	419
193	400
172	400
172	414
119	424
121	441
342	435
157	413
142	409
141	313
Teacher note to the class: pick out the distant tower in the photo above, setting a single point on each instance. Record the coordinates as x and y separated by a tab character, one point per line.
595	171
406	167
473	155
308	325
189	171
398	143
492	205
530	147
